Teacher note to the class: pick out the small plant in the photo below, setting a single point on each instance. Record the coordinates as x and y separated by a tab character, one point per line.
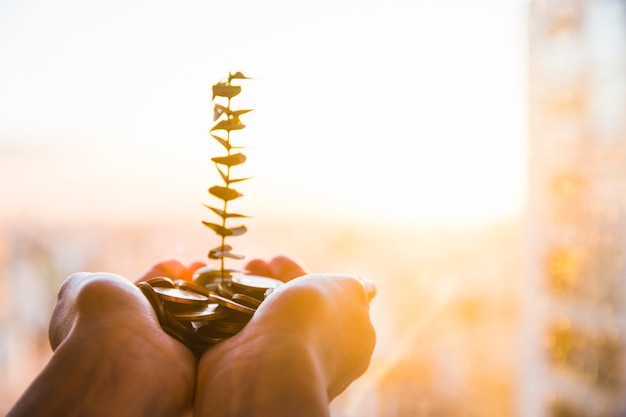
227	120
220	301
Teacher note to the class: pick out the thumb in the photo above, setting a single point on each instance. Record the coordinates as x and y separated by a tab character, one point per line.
92	296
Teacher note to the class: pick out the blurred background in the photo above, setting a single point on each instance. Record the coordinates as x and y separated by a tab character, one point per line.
467	156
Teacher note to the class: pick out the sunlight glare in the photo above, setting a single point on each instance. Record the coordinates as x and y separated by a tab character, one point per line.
395	118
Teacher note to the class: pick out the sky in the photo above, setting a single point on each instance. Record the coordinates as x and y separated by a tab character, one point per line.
395	110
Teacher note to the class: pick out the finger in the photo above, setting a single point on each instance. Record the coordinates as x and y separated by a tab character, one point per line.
172	268
285	269
259	267
187	274
370	288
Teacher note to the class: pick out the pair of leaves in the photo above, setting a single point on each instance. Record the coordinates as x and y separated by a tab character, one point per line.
238	75
228	180
225	231
223	214
224	252
218	110
230	160
225	143
223	89
232	123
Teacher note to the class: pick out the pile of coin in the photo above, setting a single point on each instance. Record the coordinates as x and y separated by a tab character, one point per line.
203	312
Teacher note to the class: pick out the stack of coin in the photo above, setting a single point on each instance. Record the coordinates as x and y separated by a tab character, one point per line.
204	312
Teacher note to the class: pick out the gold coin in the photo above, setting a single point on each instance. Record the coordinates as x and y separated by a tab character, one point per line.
227	328
161	282
176	295
247	300
154	300
225	289
191	286
233	305
204	313
210	335
255	283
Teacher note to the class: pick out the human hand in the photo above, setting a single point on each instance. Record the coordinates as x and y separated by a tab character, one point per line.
305	344
111	355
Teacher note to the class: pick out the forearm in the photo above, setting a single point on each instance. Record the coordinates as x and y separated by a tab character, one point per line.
73	384
283	380
113	377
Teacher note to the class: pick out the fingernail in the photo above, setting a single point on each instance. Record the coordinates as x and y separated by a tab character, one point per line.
370	287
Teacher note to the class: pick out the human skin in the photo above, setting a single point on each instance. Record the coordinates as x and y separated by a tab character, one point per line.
303	346
111	356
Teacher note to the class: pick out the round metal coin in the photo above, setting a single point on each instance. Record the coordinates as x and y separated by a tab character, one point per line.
233	305
225	289
247	300
255	283
207	312
176	295
161	282
191	286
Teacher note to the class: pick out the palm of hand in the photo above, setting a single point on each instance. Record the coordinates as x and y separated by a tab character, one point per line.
109	316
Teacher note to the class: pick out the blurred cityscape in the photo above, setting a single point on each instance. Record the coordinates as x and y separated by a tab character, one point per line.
446	312
574	352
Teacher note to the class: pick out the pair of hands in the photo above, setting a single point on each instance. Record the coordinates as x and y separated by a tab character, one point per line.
304	345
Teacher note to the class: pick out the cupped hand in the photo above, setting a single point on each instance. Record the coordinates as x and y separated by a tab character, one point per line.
305	344
111	355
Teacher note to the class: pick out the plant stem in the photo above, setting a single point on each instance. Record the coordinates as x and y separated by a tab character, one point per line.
225	201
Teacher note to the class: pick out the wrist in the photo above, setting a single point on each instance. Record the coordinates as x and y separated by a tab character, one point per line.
262	376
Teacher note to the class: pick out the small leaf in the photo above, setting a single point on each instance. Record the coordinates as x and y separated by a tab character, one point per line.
213	254
218	110
223	214
223	231
238	231
220	230
231	181
237	113
225	248
224	193
230	160
229	124
224	176
238	75
225	90
223	142
220	255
